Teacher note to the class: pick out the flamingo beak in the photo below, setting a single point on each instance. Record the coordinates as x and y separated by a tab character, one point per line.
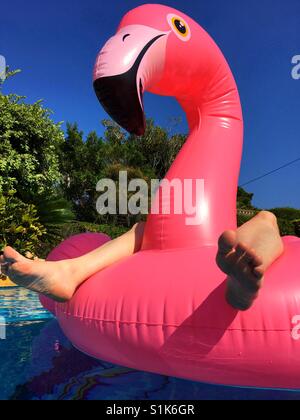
119	77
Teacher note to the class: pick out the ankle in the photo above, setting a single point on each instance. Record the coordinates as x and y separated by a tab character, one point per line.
268	217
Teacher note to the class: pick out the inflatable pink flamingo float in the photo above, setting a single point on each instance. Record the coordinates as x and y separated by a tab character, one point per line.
163	310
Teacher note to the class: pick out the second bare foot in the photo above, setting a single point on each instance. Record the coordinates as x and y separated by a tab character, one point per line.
244	269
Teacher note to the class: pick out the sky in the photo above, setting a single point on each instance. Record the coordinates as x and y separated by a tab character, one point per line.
55	43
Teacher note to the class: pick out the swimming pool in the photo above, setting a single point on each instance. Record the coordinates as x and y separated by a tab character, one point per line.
39	363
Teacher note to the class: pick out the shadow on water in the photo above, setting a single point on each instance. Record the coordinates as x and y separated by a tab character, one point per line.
39	363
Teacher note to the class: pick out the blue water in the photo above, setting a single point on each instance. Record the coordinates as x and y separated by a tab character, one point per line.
38	363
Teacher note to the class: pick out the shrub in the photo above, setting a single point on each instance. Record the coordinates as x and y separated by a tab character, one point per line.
29	142
296	224
286	213
19	225
82	227
59	233
242	219
287	227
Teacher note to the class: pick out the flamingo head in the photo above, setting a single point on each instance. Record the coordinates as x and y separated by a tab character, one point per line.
158	49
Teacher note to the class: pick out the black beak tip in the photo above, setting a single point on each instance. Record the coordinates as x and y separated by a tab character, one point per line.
120	100
139	131
122	97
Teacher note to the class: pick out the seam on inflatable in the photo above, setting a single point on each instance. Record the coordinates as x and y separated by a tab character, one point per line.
170	325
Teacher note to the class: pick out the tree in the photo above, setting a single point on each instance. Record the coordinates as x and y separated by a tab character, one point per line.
29	173
84	162
29	142
19	225
244	199
112	172
287	213
81	165
155	150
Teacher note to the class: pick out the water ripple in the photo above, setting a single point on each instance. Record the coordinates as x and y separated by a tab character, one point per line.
21	305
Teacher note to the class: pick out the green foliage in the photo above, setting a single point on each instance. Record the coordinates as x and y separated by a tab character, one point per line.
242	219
112	172
154	151
288	220
81	227
81	165
244	199
19	225
29	173
296	224
61	232
84	162
8	74
286	227
286	213
54	210
29	141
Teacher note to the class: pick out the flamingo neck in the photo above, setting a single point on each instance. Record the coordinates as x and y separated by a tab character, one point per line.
210	158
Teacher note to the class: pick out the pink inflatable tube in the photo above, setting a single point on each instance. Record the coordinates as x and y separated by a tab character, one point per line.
163	310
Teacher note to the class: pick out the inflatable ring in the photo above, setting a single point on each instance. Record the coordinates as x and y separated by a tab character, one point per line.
163	309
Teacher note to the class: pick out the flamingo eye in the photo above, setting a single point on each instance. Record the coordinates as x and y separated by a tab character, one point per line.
180	27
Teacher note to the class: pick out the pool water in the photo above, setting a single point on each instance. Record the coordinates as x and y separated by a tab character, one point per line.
39	363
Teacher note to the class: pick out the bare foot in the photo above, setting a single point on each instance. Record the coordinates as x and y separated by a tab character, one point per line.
244	268
53	279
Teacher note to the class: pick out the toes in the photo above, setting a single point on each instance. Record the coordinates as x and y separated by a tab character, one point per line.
11	255
248	256
257	261
4	269
227	242
241	249
259	272
251	283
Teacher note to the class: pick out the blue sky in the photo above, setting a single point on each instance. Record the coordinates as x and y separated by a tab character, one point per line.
55	44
